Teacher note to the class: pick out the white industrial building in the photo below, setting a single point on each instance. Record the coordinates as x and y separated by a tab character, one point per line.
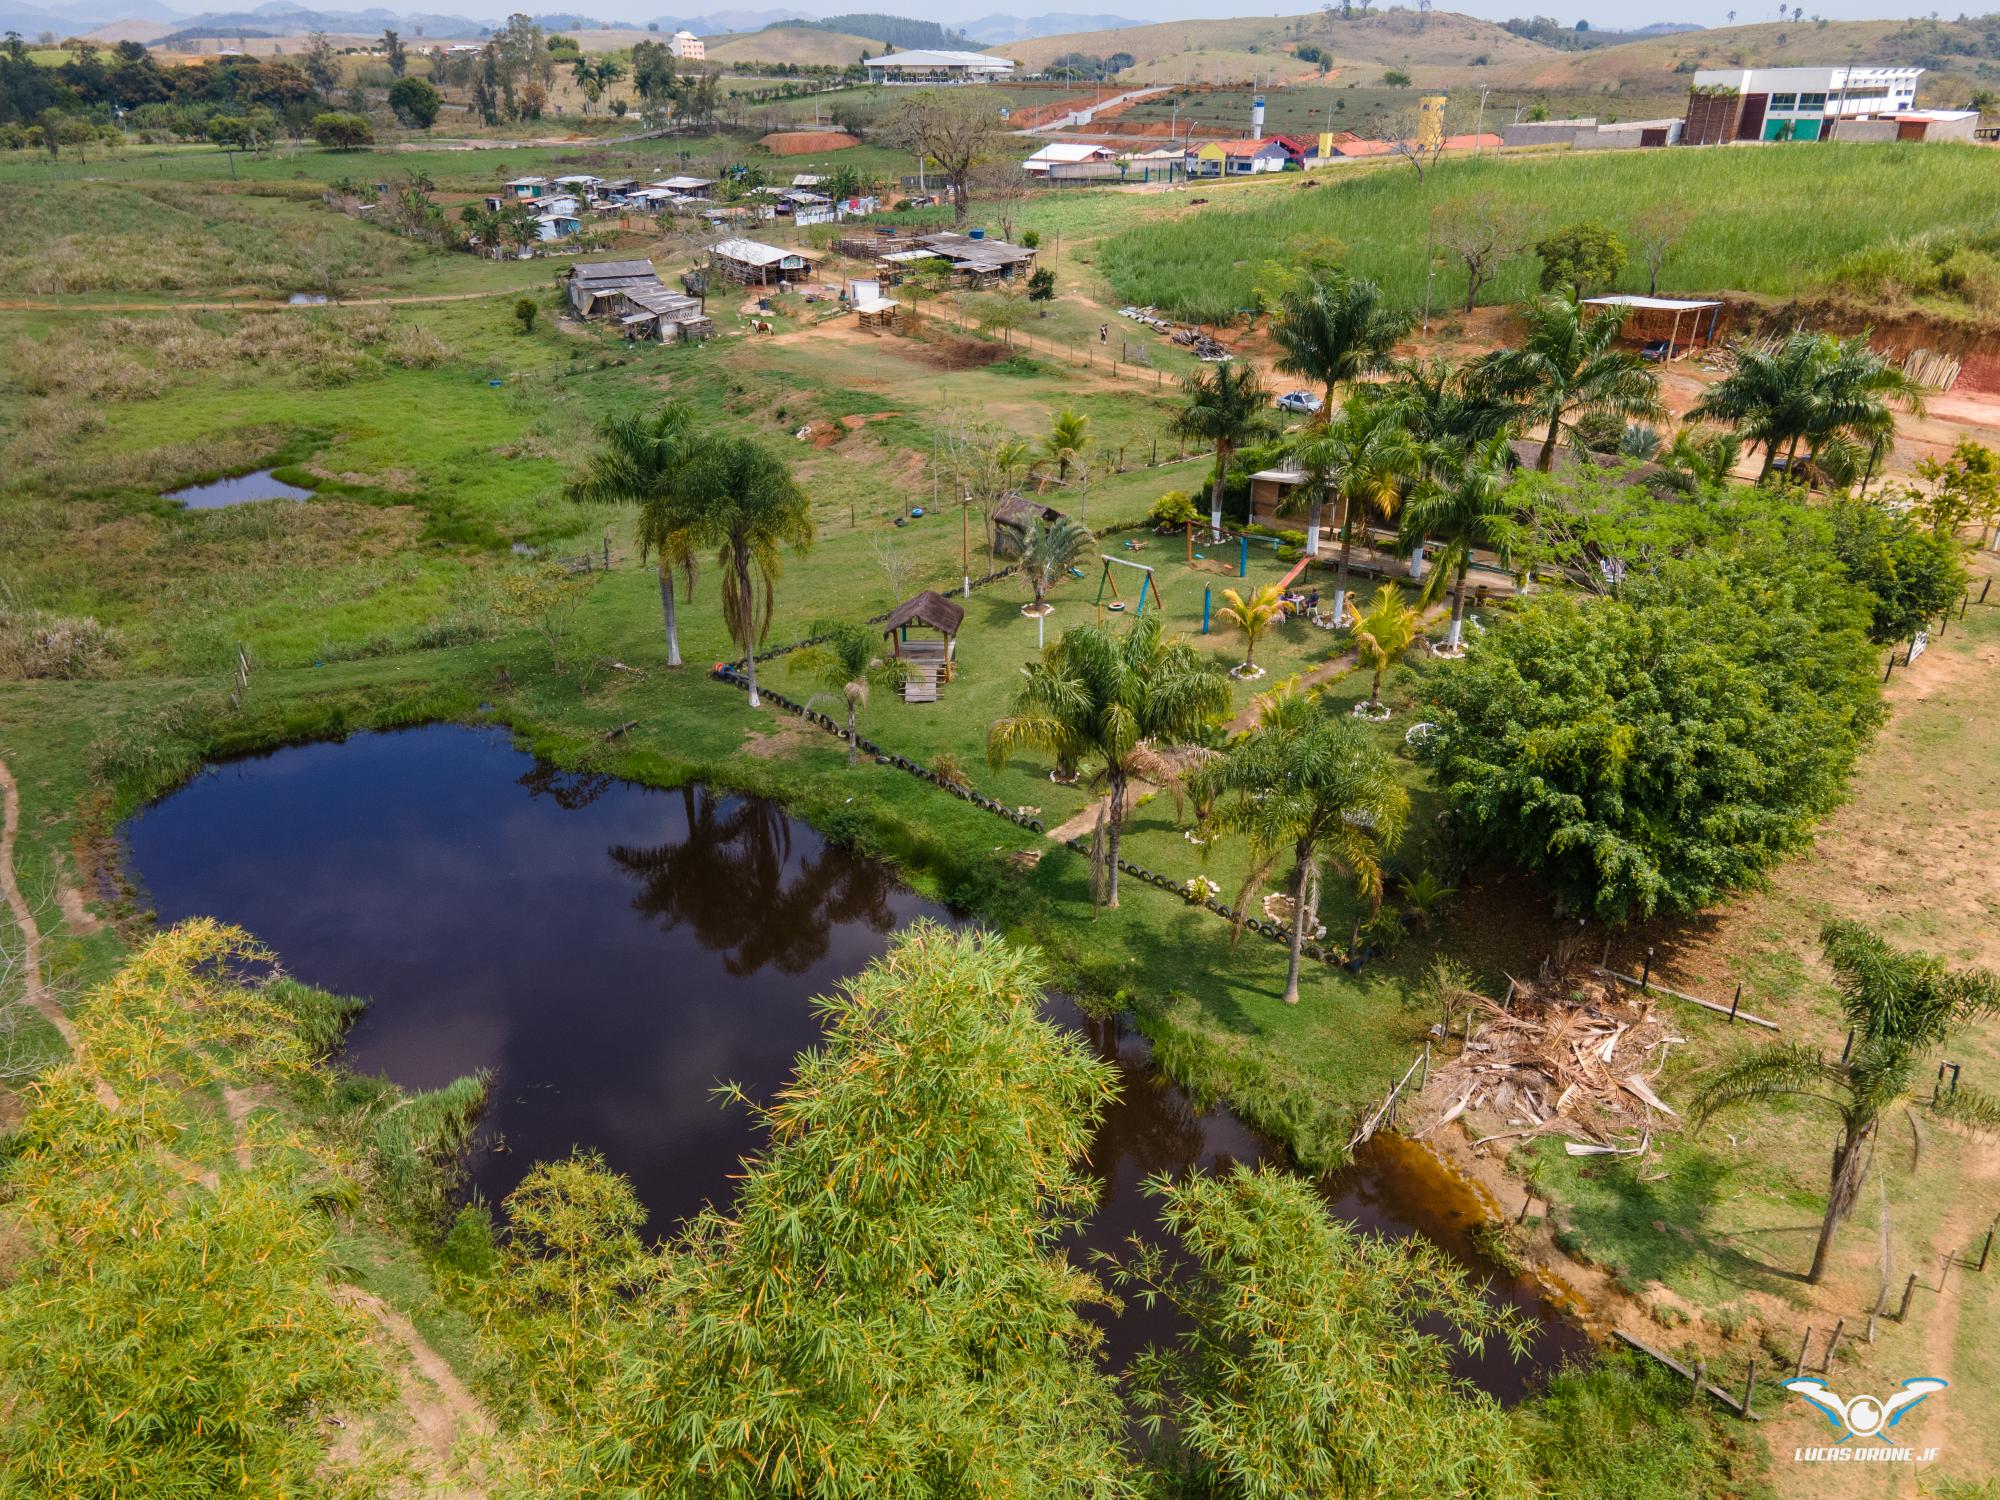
688	47
925	65
1792	104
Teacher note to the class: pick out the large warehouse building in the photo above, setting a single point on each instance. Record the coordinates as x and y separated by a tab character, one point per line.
932	66
1791	104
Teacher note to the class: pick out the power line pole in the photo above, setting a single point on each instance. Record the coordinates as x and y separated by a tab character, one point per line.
1479	129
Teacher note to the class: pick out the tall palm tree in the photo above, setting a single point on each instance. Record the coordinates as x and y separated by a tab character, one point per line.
1364	458
1333	331
640	460
1253	616
1115	700
1305	781
1445	409
1463	509
1701	458
1069	430
1810	390
1383	632
1568	367
1048	551
1225	406
743	501
844	661
1900	1006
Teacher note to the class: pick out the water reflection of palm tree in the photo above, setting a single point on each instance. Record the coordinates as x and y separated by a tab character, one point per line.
726	880
570	790
1152	1125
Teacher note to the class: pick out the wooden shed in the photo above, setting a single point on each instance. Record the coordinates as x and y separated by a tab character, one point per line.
1014	517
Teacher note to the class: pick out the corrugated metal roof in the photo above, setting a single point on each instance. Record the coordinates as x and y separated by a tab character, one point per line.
750	252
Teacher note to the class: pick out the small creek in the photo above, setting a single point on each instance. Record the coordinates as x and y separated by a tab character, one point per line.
238	489
614	951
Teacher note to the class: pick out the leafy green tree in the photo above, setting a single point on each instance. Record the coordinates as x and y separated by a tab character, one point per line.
741	499
1306	783
1810	390
887	1309
1224	406
1580	258
1654	751
1042	285
1446	410
1901	1006
338	132
415	102
1914	575
1964	487
846	661
643	460
1568	368
1467	511
1092	696
395	53
1365	459
1317	1356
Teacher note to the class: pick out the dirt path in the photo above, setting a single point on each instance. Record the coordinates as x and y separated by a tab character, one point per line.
443	1415
33	988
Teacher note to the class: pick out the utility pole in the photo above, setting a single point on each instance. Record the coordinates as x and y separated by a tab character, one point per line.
1479	129
1430	270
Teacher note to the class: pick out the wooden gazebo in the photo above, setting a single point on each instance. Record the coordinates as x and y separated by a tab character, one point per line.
928	663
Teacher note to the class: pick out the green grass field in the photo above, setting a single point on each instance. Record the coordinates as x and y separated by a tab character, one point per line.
1758	224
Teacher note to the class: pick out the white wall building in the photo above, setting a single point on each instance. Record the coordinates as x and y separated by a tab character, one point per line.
923	65
1792	104
689	47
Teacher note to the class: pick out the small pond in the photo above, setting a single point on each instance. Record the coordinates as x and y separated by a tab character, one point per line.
239	489
613	951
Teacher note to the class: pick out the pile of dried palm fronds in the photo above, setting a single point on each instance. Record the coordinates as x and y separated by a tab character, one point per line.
1568	1055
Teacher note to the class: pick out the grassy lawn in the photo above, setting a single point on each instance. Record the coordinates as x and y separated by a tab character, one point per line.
1755	229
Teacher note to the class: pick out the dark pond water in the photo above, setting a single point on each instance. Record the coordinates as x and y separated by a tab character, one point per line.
239	489
612	952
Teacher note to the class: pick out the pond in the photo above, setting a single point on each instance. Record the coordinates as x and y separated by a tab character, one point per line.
238	489
613	952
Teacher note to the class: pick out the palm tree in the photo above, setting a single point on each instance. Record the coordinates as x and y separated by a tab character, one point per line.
1899	1006
1383	631
1364	458
1330	332
1254	617
1701	458
1048	551
1445	409
1568	368
743	501
1314	784
1096	696
1225	406
640	460
844	661
1069	430
1334	331
1465	509
1811	389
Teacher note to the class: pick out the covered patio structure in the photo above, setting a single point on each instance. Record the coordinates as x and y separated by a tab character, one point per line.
1674	326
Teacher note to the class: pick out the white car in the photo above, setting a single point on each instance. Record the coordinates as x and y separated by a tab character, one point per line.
1303	402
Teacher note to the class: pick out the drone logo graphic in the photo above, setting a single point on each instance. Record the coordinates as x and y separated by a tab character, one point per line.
1864	1416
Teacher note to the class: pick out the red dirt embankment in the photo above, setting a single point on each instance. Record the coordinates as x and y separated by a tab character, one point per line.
800	142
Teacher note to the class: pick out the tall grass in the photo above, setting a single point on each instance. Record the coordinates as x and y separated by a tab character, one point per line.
1771	220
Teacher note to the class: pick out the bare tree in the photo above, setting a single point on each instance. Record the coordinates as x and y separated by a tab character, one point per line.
1658	228
960	129
1482	232
1403	133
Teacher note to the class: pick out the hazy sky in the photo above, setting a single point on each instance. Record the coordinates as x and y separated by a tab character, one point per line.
1607	13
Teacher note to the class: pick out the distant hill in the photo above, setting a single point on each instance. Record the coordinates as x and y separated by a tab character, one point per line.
805	46
898	31
989	31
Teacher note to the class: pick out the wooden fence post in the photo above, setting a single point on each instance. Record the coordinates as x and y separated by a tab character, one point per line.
1832	1344
1984	1250
1909	1289
1700	1374
1799	1366
1750	1387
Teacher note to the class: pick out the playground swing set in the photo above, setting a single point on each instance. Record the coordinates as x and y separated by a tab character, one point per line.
1148	584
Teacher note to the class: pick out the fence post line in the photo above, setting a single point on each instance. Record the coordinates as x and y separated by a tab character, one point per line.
1799	1366
1832	1344
1909	1290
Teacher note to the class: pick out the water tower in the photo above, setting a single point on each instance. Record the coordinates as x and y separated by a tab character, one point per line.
1257	117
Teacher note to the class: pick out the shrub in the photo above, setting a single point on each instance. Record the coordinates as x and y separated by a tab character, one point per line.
339	132
1912	575
1174	508
34	644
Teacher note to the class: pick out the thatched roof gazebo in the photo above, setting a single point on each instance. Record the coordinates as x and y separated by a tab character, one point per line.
928	662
